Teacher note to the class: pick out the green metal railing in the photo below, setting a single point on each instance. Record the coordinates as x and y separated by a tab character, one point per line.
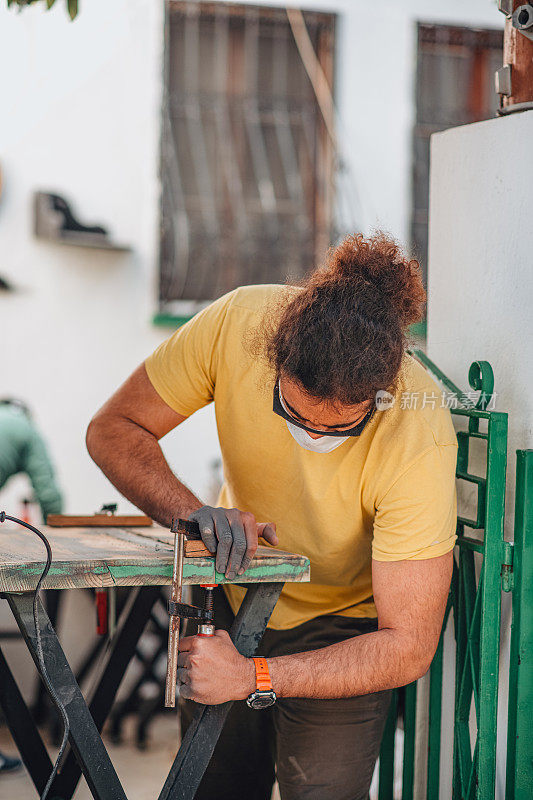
482	568
519	785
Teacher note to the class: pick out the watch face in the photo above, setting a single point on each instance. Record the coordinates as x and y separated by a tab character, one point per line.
260	700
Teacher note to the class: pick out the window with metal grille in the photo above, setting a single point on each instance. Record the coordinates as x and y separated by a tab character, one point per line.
455	86
247	165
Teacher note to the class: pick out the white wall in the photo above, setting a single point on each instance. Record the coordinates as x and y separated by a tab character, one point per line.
481	285
480	275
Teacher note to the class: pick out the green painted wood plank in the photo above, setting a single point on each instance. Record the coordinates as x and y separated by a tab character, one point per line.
116	557
152	572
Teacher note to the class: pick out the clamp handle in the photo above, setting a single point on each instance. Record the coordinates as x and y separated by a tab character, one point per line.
186	611
189	527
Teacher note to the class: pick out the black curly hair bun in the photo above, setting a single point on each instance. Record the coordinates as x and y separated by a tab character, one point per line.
342	336
380	262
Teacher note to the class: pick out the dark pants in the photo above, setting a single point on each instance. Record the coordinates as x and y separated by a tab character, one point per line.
317	749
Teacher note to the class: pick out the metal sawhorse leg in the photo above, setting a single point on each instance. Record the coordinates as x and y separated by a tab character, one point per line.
88	754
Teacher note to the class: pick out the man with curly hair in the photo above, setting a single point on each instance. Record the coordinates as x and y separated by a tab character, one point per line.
305	381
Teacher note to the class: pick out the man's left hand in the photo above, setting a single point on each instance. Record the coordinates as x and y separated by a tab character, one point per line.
211	670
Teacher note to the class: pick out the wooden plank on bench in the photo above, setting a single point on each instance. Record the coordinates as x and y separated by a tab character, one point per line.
98	520
100	557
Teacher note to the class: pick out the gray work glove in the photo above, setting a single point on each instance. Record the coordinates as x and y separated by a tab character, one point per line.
233	535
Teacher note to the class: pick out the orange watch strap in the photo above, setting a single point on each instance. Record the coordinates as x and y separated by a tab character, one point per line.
262	675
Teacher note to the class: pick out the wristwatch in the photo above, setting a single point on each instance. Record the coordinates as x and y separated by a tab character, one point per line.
264	695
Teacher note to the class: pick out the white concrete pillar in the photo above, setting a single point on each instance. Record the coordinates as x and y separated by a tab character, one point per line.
481	285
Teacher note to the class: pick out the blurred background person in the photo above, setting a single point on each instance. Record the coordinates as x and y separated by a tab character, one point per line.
22	450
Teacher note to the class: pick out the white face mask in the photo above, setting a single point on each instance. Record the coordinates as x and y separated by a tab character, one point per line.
324	444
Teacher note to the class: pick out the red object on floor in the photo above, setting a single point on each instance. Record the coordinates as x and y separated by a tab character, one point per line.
101	611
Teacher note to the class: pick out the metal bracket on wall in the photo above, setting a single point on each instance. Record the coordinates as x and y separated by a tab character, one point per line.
506	7
502	80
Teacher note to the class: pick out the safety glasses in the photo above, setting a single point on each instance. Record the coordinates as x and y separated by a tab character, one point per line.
355	431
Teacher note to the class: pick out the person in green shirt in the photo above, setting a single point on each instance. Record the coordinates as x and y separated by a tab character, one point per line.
22	450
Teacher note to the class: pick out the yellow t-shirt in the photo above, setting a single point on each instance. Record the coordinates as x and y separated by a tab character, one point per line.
388	494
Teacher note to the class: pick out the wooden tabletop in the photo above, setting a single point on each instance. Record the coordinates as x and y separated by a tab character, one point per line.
100	557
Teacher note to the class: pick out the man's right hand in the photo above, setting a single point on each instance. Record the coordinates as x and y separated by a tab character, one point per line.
233	535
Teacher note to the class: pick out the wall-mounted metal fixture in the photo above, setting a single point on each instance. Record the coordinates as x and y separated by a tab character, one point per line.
54	220
506	7
514	81
502	80
522	20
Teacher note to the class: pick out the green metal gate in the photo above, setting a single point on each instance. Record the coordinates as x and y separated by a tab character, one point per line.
483	567
519	784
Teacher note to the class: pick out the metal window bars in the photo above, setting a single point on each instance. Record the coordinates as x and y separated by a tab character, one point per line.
250	171
484	566
454	86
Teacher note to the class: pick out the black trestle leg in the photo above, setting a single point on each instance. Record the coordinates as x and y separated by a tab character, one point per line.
23	728
132	622
84	738
202	734
41	706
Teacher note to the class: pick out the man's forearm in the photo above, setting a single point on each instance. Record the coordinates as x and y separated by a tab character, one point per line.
410	598
368	663
132	459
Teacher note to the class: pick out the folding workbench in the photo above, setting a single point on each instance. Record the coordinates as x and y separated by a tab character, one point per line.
108	557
